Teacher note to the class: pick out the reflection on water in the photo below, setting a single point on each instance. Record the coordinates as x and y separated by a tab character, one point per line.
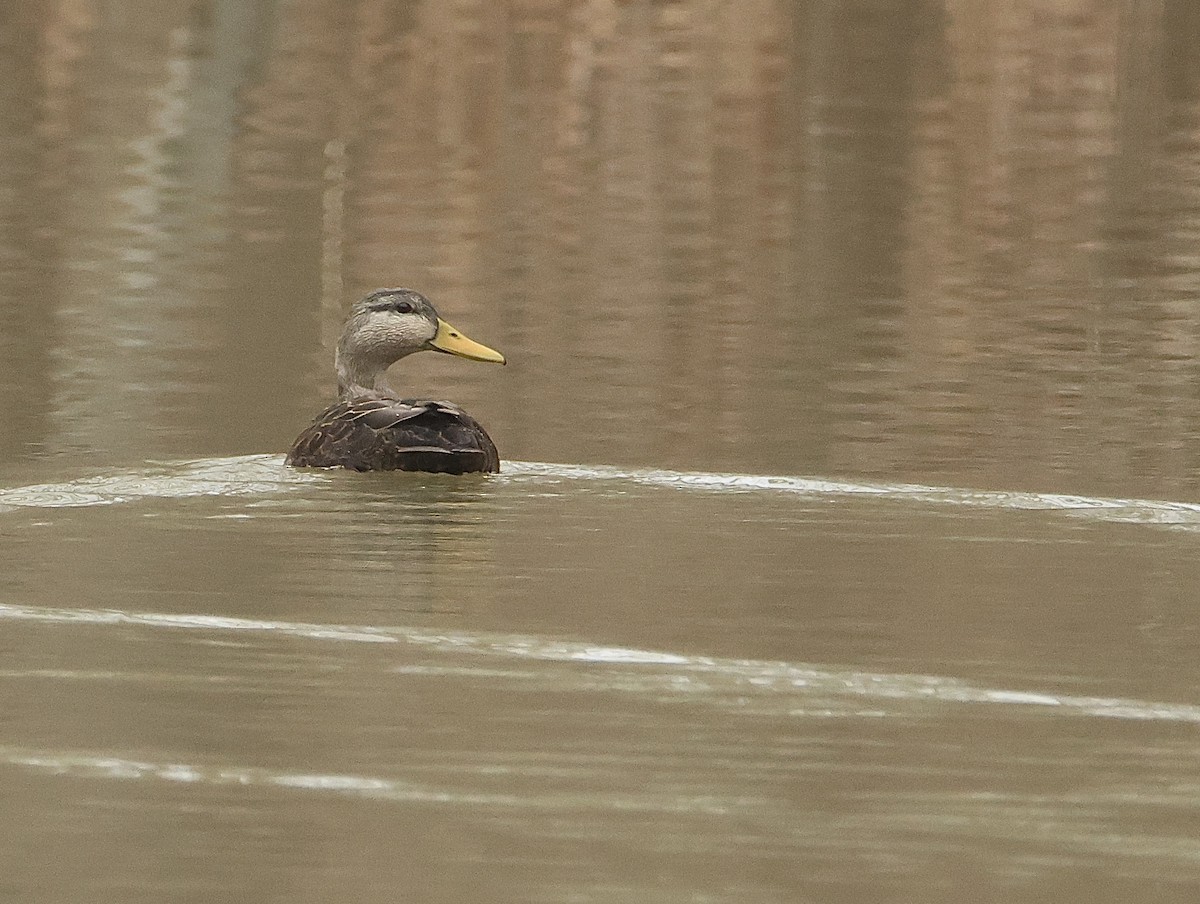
867	333
891	241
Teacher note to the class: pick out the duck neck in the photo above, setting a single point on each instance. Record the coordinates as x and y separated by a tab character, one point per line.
360	376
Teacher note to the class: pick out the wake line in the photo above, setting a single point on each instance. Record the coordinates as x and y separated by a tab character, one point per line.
667	675
245	475
98	765
263	476
1185	514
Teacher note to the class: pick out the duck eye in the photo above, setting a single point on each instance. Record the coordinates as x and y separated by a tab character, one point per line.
403	307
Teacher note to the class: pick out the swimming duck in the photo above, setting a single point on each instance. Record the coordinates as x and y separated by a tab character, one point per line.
370	428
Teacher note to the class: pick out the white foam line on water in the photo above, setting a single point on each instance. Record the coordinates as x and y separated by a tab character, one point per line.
265	475
244	475
194	622
1180	514
694	677
102	766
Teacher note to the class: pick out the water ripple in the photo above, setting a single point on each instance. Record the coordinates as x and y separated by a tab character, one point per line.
92	765
702	679
245	475
264	475
1141	511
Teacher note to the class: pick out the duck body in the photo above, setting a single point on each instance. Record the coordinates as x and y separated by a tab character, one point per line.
384	434
370	428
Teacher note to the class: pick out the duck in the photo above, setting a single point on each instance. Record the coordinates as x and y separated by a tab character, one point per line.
370	428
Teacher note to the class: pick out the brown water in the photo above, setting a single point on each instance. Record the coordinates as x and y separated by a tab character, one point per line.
845	546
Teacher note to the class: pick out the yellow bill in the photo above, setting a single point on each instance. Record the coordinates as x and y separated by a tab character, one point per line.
453	342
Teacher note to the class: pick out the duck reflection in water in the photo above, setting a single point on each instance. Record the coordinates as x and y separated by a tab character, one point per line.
370	428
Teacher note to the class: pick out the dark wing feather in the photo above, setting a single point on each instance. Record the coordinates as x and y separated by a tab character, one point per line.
380	434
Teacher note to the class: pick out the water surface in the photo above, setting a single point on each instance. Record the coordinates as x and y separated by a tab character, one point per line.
845	544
